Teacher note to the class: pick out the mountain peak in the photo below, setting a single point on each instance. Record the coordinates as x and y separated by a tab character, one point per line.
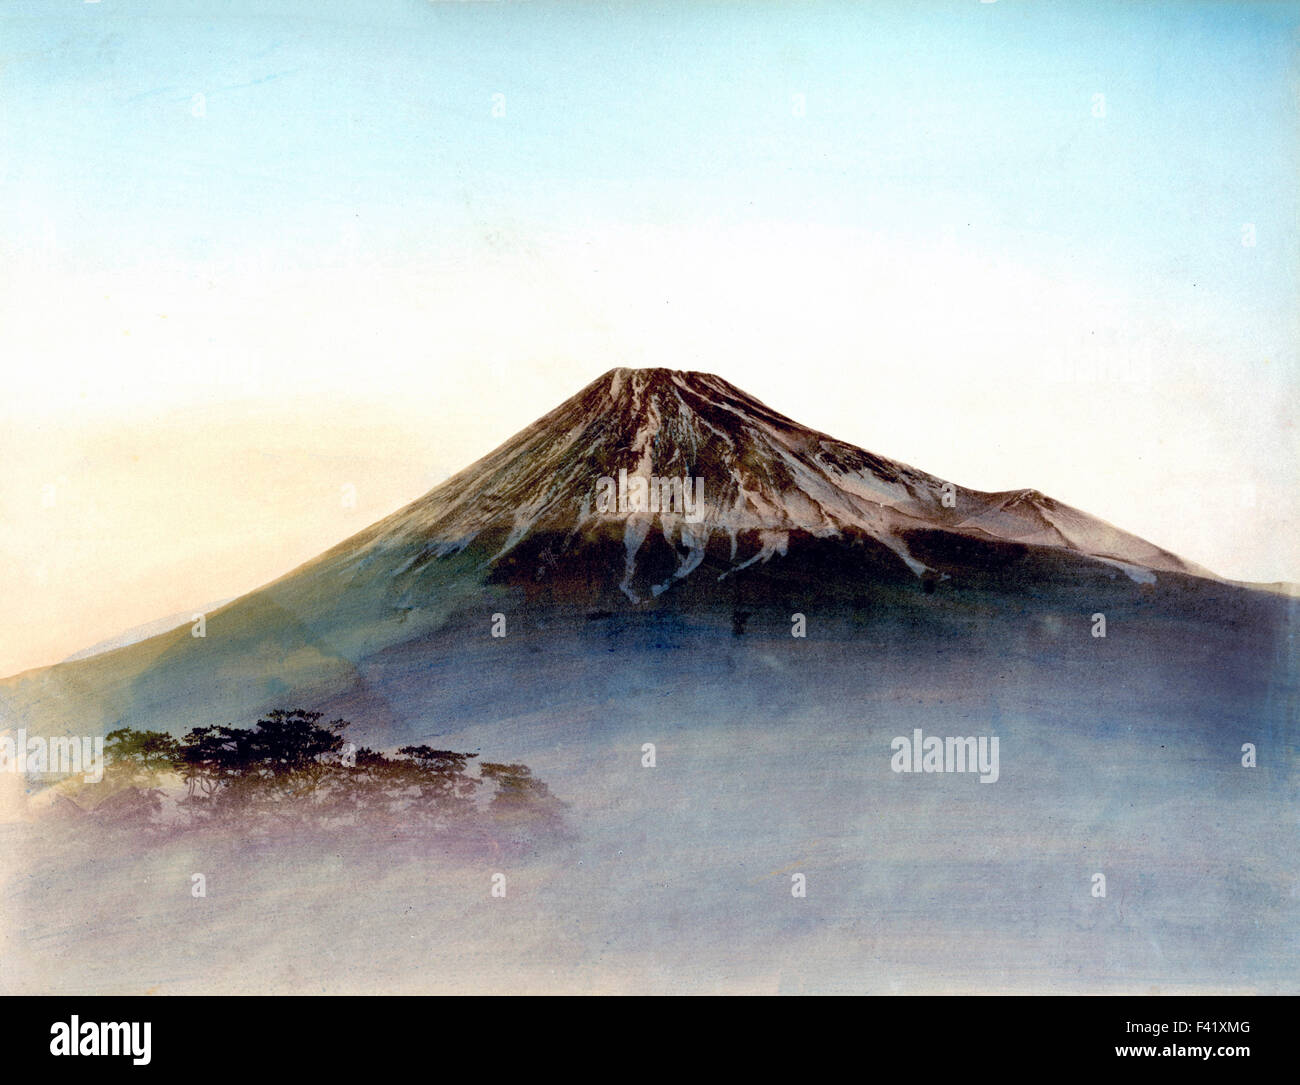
638	385
626	382
649	373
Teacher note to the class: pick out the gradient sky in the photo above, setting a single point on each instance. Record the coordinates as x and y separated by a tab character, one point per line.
254	252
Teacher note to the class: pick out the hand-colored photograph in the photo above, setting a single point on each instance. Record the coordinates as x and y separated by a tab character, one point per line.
649	498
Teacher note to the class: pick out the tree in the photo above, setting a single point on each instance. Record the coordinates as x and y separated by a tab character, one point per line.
138	752
443	789
216	762
288	749
290	765
520	796
134	763
285	757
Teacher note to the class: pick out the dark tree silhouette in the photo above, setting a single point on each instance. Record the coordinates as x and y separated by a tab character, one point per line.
216	761
292	768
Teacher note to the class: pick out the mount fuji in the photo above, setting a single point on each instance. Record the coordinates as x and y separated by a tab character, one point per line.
769	481
788	520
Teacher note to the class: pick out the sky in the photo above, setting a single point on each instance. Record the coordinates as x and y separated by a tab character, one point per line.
270	270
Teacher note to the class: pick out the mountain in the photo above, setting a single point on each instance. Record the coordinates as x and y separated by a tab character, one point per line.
759	513
765	477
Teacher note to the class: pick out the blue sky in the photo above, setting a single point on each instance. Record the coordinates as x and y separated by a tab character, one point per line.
964	116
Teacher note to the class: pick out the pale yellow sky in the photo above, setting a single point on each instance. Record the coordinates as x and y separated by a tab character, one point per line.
198	425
